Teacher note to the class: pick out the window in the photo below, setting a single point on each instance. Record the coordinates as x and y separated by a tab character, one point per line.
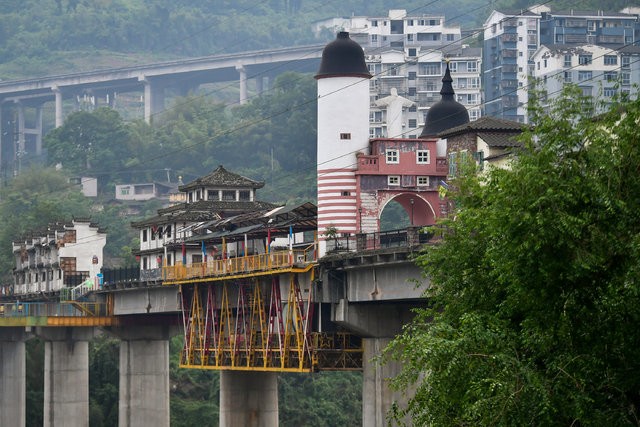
124	191
626	62
559	38
610	76
453	67
144	263
410	22
412	52
567	60
450	37
412	75
586	90
472	67
345	136
212	195
374	38
584	59
393	180
453	164
346	194
478	156
168	231
144	235
567	76
228	195
626	78
545	64
413	108
431	69
245	195
196	258
392	156
409	37
609	92
610	60
412	91
423	181
422	157
584	75
374	23
413	123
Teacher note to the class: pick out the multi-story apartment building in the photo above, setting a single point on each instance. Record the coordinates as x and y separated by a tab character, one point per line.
408	53
511	38
600	72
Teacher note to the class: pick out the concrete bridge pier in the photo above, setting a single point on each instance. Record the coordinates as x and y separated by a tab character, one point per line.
242	70
248	399
378	323
144	375
66	375
12	377
153	98
59	112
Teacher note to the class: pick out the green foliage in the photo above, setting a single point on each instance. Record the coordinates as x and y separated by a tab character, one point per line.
320	399
34	199
535	287
34	382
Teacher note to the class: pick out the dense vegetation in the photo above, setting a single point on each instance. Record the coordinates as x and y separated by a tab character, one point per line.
535	287
59	36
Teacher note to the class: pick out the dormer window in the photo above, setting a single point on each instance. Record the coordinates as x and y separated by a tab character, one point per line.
228	195
213	195
244	195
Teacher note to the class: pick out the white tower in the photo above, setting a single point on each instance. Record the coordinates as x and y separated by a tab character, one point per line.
343	132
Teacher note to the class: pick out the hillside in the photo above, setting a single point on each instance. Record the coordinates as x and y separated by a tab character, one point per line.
44	37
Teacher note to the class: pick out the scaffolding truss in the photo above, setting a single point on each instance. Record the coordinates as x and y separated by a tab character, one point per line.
246	325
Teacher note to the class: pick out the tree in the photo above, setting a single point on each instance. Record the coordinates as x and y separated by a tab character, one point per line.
94	143
534	296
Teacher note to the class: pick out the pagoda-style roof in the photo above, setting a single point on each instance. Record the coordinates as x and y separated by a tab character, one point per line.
222	178
202	210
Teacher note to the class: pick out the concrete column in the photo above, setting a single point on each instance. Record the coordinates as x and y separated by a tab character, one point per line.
12	377
58	106
66	376
377	396
259	85
153	98
243	83
144	376
248	399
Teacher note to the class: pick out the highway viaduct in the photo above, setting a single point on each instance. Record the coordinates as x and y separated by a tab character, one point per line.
367	292
22	101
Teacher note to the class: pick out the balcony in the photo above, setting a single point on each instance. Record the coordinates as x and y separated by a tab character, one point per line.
368	163
245	266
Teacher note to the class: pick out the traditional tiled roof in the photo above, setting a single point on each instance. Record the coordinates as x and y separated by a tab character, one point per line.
500	140
203	210
222	178
486	124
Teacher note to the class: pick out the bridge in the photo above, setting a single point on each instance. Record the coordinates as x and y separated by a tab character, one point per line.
249	317
22	101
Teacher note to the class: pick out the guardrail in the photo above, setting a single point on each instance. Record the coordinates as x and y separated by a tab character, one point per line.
240	265
49	309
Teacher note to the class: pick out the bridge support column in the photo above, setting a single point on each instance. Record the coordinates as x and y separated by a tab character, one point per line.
153	98
243	83
377	396
144	375
66	376
12	377
58	106
248	399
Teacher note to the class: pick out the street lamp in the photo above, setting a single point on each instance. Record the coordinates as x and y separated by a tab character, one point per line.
412	202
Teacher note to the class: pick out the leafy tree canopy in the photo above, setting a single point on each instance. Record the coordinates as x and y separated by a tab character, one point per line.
535	287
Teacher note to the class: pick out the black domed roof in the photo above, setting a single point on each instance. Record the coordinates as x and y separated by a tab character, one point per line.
343	57
447	112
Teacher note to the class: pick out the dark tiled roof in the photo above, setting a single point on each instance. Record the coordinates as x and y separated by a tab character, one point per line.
203	210
514	12
222	178
500	139
487	124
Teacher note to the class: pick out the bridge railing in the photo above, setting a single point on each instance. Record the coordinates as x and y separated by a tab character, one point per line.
49	309
409	237
119	275
240	265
